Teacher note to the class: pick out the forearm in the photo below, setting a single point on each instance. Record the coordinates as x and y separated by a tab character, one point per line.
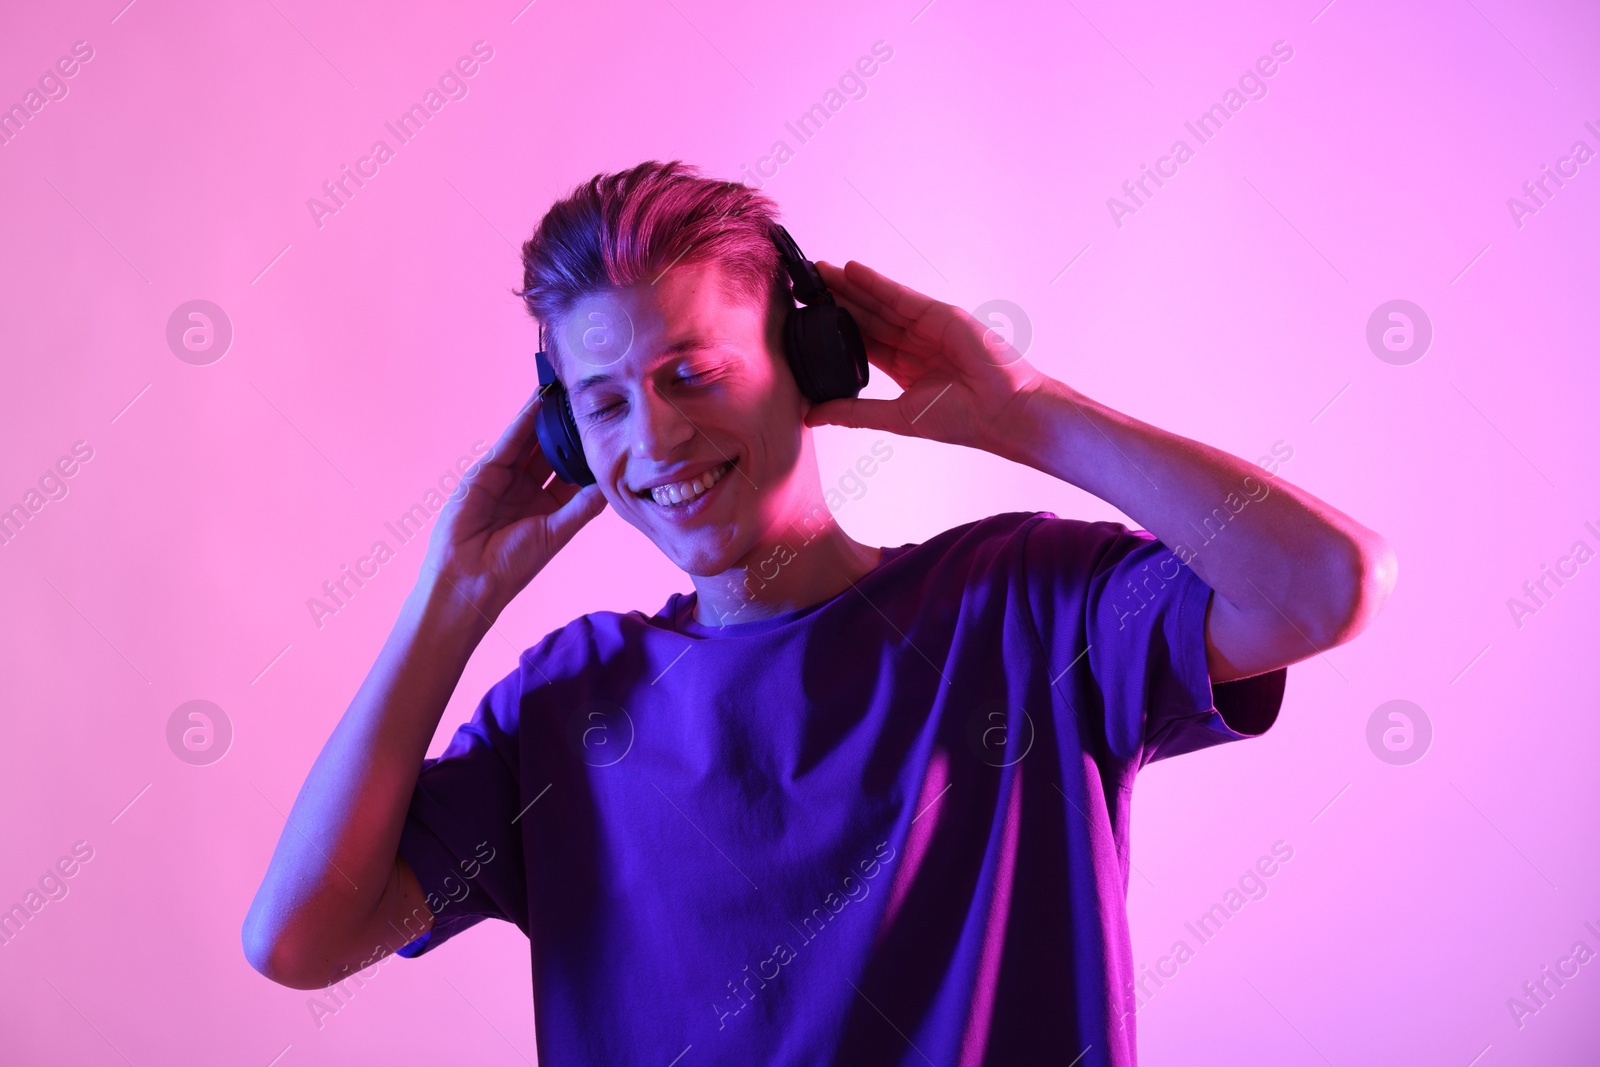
1262	544
336	855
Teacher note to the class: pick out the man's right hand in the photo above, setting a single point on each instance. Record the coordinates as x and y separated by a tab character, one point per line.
503	523
337	886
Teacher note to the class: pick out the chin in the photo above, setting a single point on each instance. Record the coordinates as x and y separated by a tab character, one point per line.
704	551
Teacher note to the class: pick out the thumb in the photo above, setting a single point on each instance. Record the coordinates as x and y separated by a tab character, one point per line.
569	518
860	414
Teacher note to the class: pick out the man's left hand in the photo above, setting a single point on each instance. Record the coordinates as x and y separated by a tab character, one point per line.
961	382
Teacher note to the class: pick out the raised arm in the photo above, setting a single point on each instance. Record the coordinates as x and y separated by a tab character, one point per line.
336	895
1292	575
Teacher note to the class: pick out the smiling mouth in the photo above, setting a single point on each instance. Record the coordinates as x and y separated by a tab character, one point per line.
683	493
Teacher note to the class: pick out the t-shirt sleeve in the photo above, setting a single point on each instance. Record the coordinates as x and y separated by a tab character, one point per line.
1119	605
461	836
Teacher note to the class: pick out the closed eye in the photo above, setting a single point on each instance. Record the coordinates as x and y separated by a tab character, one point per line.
694	378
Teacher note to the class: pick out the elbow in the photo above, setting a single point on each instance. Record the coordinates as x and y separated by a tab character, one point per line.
273	954
1364	575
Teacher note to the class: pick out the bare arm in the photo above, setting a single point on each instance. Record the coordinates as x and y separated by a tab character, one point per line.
336	895
1292	575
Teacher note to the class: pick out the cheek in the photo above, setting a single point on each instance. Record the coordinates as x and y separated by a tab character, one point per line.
781	436
607	460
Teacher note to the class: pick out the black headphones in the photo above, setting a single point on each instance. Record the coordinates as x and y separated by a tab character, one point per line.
821	340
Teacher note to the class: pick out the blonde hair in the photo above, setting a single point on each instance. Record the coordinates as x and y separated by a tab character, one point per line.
631	226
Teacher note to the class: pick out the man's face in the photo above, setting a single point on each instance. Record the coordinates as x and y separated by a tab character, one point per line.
677	381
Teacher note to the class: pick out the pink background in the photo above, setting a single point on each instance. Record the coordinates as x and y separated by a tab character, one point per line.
371	353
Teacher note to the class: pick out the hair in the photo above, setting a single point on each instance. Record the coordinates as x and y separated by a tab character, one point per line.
632	226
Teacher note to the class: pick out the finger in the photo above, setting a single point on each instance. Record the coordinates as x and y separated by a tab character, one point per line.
890	357
896	301
516	468
518	439
859	413
532	487
569	518
872	324
912	351
845	288
896	364
924	323
551	532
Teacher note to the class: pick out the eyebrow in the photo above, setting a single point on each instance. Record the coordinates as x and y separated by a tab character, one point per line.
690	344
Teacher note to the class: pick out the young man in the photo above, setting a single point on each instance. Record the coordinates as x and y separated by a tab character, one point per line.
842	803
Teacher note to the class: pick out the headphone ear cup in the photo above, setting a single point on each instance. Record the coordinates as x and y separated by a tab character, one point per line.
826	352
558	437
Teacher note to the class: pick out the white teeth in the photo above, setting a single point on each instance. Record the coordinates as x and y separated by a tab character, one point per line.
684	491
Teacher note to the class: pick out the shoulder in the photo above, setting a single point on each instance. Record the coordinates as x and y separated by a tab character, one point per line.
1047	536
981	534
587	643
1005	549
1073	558
1036	536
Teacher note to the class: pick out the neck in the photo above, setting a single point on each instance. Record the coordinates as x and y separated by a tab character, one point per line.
793	567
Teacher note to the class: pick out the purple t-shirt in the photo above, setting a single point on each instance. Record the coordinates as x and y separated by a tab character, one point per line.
888	828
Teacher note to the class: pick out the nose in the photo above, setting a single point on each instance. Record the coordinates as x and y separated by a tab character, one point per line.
659	427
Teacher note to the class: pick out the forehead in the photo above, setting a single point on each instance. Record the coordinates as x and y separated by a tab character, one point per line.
616	333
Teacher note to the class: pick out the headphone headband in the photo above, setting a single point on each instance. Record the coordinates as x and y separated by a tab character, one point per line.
542	361
804	279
